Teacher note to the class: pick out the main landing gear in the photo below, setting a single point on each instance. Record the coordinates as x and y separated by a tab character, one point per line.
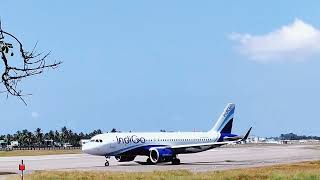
149	162
175	161
107	161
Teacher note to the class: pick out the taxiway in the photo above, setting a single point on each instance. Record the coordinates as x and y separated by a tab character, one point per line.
216	159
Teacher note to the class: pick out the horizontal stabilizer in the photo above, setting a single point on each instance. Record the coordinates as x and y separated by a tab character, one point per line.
238	138
245	137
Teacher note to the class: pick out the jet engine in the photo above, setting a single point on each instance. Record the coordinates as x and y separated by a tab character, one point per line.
158	155
124	158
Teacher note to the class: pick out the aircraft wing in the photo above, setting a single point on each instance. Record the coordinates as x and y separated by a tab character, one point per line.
199	144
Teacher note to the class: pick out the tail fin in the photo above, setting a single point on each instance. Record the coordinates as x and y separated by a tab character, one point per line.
224	123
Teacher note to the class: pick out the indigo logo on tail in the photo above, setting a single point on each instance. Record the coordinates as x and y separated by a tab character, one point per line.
227	111
225	119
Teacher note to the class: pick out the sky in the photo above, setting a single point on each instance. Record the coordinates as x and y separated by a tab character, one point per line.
173	65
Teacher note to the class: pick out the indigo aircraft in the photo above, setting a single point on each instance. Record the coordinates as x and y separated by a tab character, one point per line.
163	146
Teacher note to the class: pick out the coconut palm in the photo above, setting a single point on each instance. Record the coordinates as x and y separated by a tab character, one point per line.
39	136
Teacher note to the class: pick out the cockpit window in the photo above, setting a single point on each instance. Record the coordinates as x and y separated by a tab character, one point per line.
96	140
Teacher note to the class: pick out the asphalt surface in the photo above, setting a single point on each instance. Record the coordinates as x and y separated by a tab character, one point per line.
215	159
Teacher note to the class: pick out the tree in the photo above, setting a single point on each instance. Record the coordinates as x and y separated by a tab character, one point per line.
51	135
29	63
16	136
63	134
37	139
56	136
24	139
9	138
31	139
39	136
95	132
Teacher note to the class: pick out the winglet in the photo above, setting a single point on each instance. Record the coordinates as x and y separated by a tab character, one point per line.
245	137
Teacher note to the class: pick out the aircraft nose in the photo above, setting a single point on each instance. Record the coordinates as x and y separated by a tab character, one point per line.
91	148
86	148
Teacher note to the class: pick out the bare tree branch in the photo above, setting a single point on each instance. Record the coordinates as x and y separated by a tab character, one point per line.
32	63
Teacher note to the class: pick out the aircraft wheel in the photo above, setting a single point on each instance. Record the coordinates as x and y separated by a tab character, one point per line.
176	161
107	161
106	164
149	161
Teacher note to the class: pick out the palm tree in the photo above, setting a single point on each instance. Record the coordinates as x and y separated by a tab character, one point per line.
95	132
51	135
39	136
57	137
64	134
9	138
16	136
24	139
30	138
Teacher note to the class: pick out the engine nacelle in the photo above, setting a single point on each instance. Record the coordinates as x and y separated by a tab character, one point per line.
158	155
124	158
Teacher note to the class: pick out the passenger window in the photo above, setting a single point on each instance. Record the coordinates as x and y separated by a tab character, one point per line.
97	140
100	140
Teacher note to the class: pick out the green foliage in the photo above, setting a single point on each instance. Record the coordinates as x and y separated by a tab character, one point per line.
40	139
292	136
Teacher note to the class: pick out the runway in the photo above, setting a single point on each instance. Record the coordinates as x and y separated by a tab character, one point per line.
216	159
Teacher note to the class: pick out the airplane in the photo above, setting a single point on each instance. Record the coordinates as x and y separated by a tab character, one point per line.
161	147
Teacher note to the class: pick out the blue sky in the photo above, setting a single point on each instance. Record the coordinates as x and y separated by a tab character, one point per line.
146	66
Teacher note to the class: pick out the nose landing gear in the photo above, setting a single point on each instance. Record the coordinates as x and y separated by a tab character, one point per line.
107	161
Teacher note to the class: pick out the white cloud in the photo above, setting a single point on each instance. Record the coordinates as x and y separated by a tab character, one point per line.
294	42
35	115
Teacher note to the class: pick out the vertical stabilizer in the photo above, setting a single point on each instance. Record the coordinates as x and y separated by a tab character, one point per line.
224	123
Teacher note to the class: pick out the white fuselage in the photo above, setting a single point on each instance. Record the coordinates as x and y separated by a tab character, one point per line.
163	146
113	144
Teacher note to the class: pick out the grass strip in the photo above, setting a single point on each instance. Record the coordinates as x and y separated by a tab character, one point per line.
38	152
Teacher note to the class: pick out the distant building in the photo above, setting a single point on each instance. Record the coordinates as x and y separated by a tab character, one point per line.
48	142
257	139
302	141
14	144
57	144
67	145
272	141
3	144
